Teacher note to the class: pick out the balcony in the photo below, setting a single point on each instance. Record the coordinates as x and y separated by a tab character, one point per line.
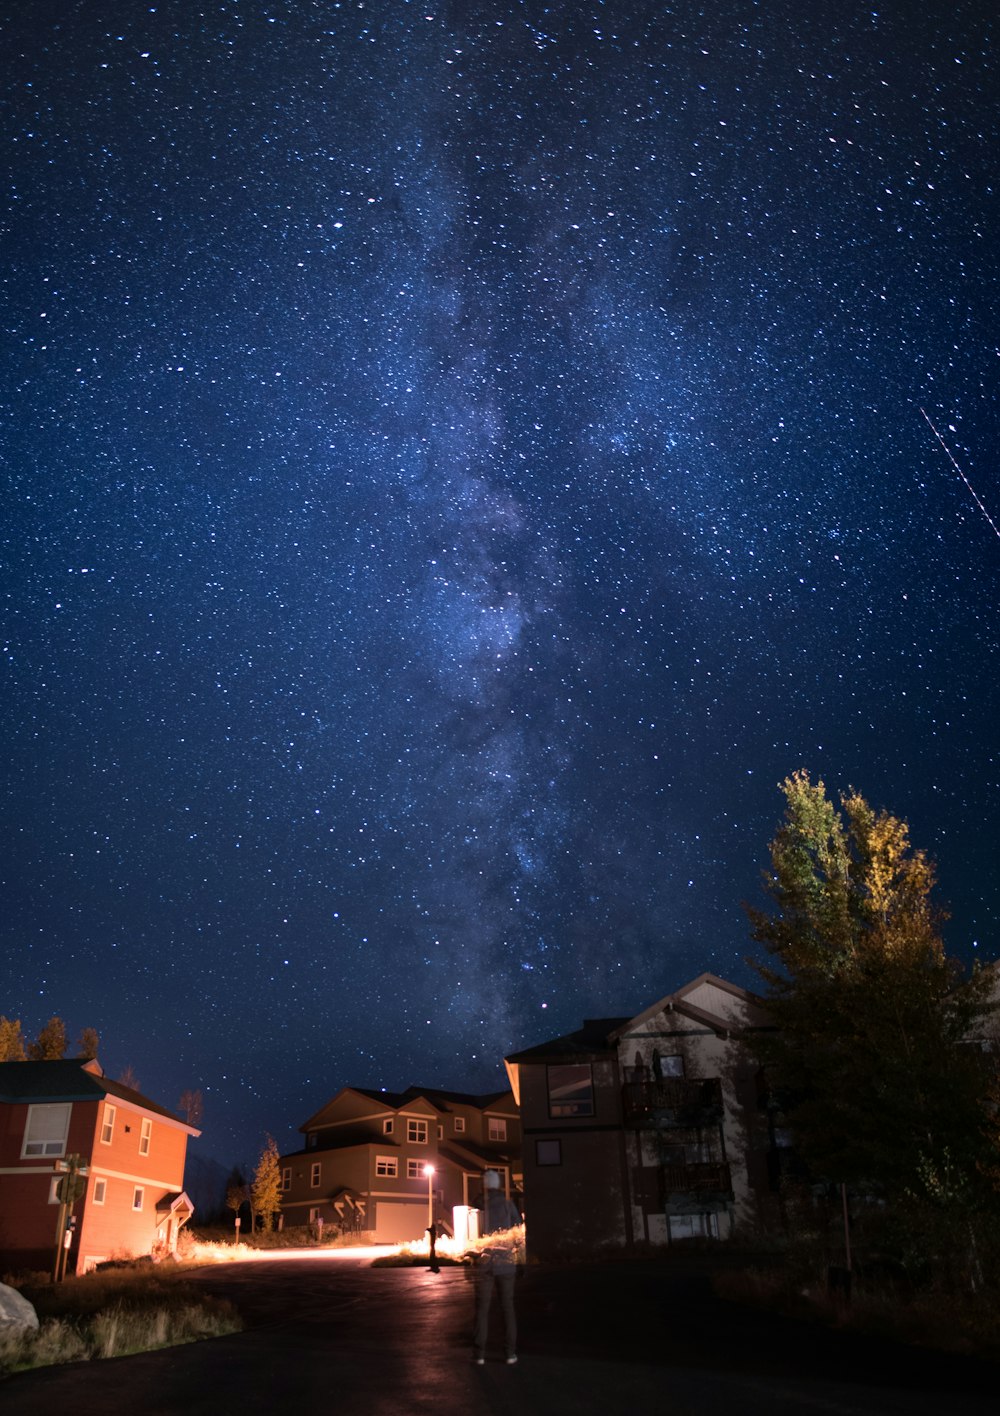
672	1101
697	1178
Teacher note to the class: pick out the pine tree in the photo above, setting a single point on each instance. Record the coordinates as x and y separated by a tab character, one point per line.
265	1188
51	1042
11	1040
870	1055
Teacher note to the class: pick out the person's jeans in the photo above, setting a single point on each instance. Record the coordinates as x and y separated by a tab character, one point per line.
504	1283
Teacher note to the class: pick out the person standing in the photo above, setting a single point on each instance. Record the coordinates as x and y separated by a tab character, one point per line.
496	1269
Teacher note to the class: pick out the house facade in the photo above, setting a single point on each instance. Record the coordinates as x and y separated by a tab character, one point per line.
646	1130
132	1199
364	1167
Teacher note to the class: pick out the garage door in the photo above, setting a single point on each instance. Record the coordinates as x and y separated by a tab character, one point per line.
395	1221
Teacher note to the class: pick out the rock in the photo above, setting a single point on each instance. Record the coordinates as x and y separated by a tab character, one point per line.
16	1313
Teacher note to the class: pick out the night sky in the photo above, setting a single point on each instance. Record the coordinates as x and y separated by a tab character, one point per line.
458	459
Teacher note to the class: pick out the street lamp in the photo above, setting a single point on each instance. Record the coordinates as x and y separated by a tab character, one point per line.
429	1172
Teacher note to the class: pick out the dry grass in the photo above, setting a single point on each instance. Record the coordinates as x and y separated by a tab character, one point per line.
114	1313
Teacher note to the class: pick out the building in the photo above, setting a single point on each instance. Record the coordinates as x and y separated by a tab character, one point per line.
367	1152
645	1130
133	1151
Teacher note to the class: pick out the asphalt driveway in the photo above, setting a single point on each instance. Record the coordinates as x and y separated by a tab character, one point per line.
337	1336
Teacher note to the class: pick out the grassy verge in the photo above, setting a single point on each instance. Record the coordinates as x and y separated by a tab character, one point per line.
966	1323
112	1314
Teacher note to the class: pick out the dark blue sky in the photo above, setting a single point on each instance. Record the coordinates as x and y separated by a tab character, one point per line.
458	459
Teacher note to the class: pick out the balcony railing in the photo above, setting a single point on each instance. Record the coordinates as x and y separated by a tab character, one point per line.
677	1101
697	1177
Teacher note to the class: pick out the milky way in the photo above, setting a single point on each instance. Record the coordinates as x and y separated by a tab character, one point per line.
458	460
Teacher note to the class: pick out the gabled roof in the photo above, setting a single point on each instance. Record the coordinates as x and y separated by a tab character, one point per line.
75	1079
713	1002
437	1101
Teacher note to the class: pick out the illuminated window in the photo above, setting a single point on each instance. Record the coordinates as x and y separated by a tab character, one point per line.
498	1129
459	1125
571	1090
144	1137
387	1166
137	1195
416	1132
315	1171
548	1153
108	1125
100	1191
45	1133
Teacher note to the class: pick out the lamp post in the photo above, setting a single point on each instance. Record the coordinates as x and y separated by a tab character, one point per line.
429	1172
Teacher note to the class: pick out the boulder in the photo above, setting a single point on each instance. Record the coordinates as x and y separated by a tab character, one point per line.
16	1313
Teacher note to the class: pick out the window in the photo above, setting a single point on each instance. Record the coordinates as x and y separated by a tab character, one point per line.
670	1066
693	1226
314	1215
387	1166
414	1170
45	1133
108	1125
459	1125
498	1129
548	1153
286	1178
137	1195
571	1090
440	1133
144	1136
387	1126
416	1132
315	1171
100	1191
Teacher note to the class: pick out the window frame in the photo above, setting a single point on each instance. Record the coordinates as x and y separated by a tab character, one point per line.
100	1195
145	1135
285	1183
496	1128
415	1170
47	1146
387	1125
387	1167
315	1175
459	1125
138	1198
583	1103
108	1124
417	1131
554	1157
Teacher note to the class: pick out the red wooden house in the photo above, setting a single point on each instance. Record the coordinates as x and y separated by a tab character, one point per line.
134	1201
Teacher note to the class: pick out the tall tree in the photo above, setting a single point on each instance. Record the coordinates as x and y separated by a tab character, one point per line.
11	1040
191	1106
870	1053
88	1043
266	1185
50	1046
237	1191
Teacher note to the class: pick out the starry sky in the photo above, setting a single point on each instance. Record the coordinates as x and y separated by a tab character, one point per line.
458	458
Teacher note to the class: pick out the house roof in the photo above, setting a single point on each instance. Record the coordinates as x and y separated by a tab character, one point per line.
596	1036
74	1079
437	1100
722	1006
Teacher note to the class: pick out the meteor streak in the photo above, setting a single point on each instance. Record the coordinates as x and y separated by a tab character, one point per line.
972	491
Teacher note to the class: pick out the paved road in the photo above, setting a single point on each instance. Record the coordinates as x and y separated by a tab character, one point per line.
350	1340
